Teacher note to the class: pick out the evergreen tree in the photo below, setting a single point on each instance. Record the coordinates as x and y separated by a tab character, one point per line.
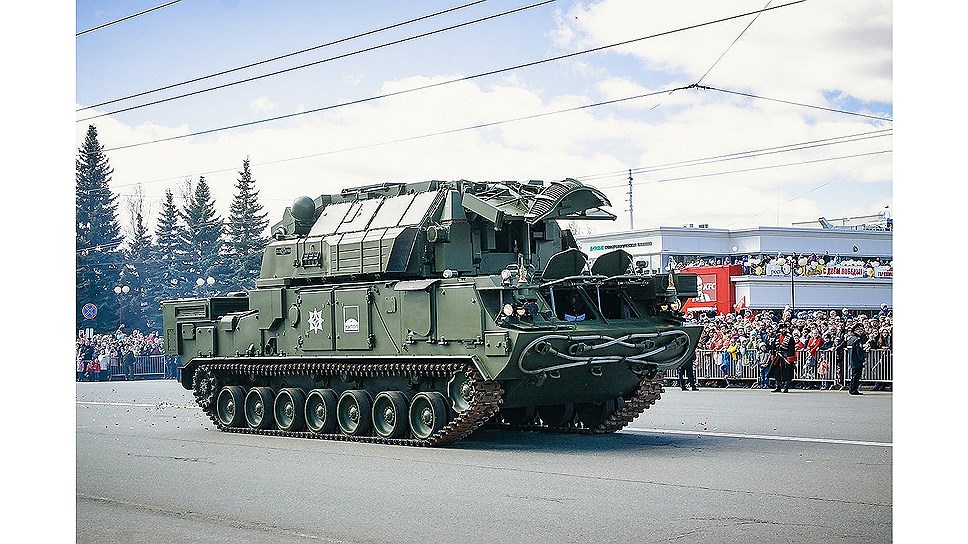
168	277
98	256
246	233
136	307
202	238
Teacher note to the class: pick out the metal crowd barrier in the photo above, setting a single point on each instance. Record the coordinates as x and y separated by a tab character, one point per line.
146	367
831	369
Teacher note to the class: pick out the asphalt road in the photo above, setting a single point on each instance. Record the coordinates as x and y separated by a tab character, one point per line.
715	465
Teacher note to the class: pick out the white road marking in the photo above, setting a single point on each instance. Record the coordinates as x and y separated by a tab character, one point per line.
760	436
135	404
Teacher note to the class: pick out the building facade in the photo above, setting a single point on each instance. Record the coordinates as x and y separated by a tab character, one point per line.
835	267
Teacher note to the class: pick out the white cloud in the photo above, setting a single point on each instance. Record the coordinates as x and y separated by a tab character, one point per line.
794	52
263	105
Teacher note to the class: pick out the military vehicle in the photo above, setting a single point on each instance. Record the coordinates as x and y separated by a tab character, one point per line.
414	314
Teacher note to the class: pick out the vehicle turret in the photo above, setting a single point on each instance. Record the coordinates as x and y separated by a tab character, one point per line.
395	230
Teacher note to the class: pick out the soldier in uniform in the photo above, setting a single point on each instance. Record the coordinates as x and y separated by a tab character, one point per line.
784	359
856	355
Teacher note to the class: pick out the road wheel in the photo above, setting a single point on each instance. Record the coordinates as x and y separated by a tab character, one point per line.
353	412
258	407
428	413
229	406
320	411
390	414
289	409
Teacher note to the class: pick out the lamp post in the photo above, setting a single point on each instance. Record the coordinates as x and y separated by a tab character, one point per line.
202	282
118	291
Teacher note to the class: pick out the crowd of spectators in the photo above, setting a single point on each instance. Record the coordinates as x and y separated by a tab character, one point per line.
93	356
803	264
750	327
737	334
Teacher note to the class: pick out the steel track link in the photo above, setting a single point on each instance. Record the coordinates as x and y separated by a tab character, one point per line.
484	403
647	394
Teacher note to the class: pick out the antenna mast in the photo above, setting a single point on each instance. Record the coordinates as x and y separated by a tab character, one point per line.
630	200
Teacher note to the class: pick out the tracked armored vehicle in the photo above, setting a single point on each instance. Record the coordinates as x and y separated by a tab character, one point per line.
414	314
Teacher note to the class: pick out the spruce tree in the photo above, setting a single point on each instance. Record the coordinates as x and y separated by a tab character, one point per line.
136	307
246	233
168	278
98	254
202	238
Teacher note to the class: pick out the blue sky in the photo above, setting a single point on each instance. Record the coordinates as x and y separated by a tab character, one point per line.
819	53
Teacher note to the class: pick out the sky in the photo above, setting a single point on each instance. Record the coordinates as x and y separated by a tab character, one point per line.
795	121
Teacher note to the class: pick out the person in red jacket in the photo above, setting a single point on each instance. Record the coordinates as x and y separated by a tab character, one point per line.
813	348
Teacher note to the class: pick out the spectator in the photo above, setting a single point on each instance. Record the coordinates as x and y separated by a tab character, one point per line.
857	354
128	364
728	362
80	361
763	363
102	366
690	373
826	356
813	347
93	372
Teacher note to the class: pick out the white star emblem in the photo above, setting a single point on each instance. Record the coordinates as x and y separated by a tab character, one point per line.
315	320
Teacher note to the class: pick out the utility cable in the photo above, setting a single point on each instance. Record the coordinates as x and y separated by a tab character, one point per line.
410	138
732	44
314	63
461	79
280	57
691	162
748	95
126	18
817	188
742	154
744	170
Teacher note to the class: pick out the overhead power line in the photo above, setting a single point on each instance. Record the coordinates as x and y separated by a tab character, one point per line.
456	80
749	154
691	162
698	81
744	170
817	188
748	95
280	57
315	63
126	18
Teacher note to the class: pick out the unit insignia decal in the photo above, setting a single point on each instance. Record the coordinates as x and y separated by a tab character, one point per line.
315	320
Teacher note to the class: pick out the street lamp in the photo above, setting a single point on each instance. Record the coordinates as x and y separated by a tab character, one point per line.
118	291
201	282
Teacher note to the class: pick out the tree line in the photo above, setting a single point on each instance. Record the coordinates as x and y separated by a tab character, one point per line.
193	252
